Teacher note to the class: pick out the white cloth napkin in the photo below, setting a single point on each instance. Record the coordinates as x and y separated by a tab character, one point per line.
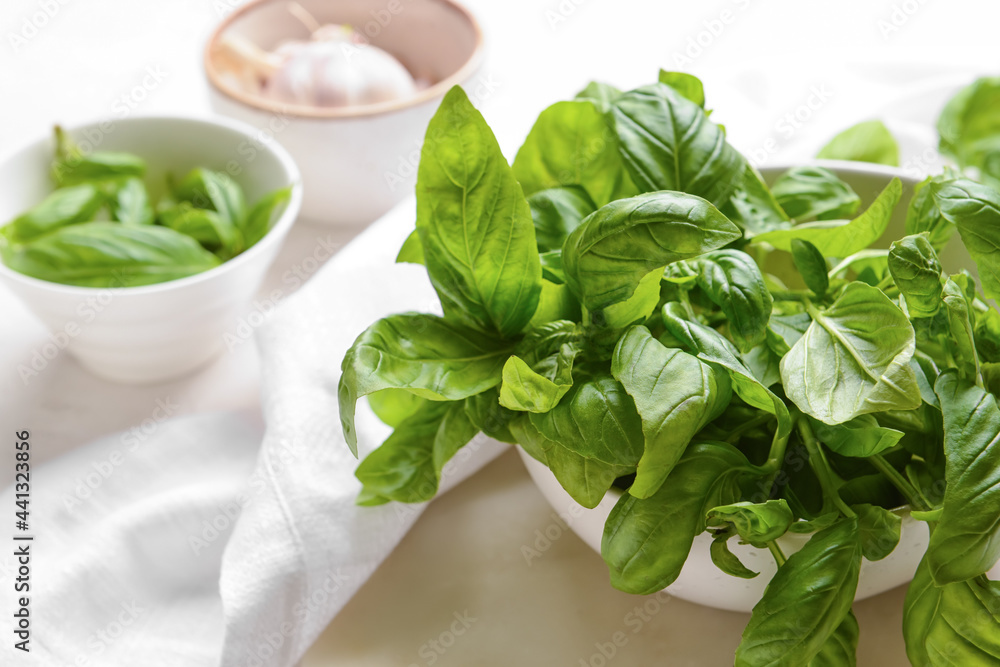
201	546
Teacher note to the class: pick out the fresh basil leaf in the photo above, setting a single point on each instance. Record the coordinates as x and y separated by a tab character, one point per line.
259	219
66	206
646	541
600	94
784	331
668	143
686	84
957	309
975	210
392	406
407	466
727	561
954	624
711	347
206	227
412	250
428	355
803	527
755	523
966	542
869	141
787	628
130	205
555	303
214	191
916	270
592	437
924	215
633	310
526	389
571	144
763	364
811	265
475	225
676	396
814	192
853	359
837	238
753	207
72	167
841	649
880	530
556	212
607	256
969	126
860	437
485	411
109	254
732	281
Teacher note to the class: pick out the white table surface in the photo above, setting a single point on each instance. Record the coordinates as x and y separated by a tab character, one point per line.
767	59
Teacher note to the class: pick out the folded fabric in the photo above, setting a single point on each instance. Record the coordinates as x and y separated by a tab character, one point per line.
201	546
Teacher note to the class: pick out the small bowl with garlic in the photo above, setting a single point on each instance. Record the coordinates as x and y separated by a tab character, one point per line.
347	87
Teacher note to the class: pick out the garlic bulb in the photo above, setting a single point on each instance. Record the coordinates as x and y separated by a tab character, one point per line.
333	71
335	67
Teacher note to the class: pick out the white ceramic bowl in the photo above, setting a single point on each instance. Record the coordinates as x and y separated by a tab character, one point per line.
700	581
155	332
356	162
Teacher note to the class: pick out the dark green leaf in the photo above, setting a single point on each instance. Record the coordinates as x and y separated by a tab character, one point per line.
756	524
811	264
727	561
407	466
923	214
430	356
917	273
475	225
591	438
668	143
966	542
880	530
646	541
953	625
859	437
206	227
753	206
841	649
732	281
556	212
814	192
787	628
607	256
676	396
108	254
975	210
485	411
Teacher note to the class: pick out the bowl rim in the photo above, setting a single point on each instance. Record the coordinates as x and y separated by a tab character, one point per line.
277	231
258	103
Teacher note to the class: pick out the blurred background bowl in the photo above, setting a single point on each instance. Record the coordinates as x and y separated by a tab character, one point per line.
356	161
162	331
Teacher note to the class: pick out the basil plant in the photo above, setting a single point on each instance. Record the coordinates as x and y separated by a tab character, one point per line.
633	306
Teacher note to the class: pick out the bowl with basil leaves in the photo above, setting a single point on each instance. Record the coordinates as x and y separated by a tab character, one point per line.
139	242
769	365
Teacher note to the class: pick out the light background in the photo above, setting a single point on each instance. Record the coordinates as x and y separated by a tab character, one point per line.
70	61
